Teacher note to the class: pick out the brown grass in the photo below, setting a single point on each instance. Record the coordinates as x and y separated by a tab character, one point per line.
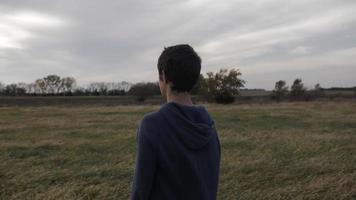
272	151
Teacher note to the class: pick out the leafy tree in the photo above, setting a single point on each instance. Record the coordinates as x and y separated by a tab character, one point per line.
14	90
143	90
280	90
2	88
53	83
223	85
23	87
80	91
298	90
116	92
40	86
198	87
317	91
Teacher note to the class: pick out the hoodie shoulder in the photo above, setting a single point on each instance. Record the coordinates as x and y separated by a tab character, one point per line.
151	117
149	123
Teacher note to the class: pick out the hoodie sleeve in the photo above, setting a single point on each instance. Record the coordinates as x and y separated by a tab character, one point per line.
145	165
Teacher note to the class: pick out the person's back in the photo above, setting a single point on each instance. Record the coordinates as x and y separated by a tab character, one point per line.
178	149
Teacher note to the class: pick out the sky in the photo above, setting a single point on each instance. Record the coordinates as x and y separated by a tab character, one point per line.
121	40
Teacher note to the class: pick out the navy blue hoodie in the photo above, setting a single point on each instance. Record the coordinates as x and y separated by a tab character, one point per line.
178	155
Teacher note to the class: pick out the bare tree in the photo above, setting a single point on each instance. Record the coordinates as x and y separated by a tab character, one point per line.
124	85
68	84
31	88
103	88
98	88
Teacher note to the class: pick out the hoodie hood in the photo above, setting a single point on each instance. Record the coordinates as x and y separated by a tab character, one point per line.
192	125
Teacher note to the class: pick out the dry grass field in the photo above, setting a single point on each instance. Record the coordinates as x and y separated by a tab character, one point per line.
270	151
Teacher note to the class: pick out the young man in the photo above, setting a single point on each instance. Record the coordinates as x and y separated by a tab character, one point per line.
178	149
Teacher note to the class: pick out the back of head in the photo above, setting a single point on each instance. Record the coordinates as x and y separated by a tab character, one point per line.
181	66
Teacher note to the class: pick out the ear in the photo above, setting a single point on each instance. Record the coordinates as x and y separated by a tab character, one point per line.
163	77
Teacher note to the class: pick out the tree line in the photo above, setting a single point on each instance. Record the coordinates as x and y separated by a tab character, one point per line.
297	91
54	85
221	87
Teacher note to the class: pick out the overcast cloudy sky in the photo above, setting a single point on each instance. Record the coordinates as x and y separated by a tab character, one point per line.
121	40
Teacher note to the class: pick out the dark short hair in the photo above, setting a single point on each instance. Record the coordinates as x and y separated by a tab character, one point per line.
181	66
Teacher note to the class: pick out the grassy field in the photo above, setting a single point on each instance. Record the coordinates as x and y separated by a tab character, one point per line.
271	151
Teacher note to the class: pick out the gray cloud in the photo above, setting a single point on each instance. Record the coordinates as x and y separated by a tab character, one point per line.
121	40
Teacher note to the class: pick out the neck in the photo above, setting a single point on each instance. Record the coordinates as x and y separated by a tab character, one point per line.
180	98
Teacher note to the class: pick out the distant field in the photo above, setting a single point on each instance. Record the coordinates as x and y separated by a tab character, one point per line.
270	151
74	101
245	96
